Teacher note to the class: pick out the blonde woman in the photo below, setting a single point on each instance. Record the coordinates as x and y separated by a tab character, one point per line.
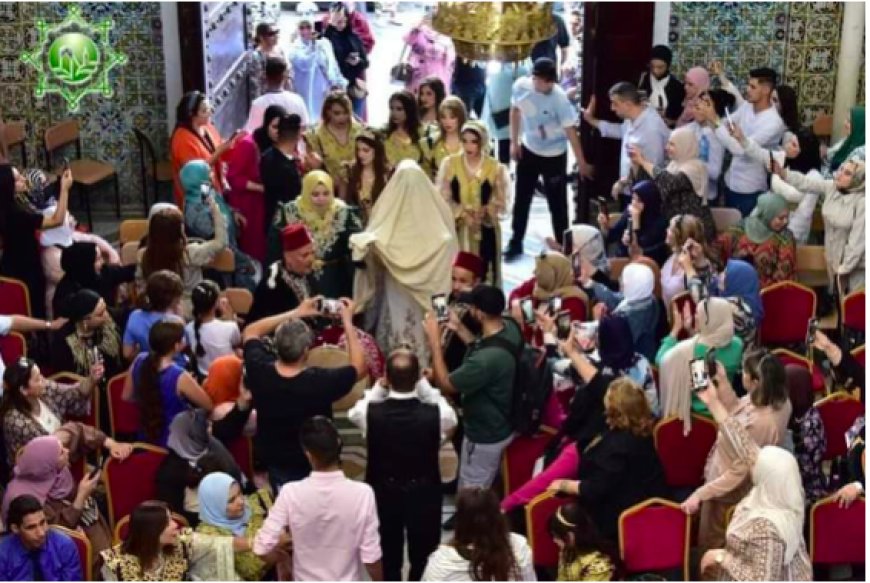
446	141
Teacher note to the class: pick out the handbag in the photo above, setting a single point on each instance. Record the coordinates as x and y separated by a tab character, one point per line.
402	72
357	89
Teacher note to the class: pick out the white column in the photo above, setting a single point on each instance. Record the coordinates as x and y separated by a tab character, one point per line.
171	60
848	64
661	23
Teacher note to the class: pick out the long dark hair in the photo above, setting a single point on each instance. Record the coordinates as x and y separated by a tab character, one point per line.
162	339
204	298
147	523
768	370
412	116
16	377
434	83
261	134
482	536
379	165
788	108
573	519
185	111
166	243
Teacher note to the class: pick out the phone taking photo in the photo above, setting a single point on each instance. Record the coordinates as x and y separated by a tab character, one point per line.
528	311
698	371
730	121
554	306
812	328
439	307
563	325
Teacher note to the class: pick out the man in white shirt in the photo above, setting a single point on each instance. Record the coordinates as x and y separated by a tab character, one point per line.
405	421
746	178
276	75
642	126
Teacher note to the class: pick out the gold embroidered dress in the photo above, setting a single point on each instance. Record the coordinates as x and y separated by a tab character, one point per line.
337	156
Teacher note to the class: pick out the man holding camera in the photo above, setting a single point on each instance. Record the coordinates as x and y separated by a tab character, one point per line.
286	392
288	281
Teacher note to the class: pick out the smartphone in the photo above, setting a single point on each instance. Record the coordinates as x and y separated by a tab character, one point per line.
576	265
661	102
205	192
563	325
99	466
698	371
812	328
439	307
65	164
554	306
770	154
710	363
730	121
528	310
330	307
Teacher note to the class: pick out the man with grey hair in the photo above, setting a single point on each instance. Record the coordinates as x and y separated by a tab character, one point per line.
286	392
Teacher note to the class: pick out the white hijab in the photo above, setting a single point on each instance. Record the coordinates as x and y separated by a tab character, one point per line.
638	283
777	495
587	241
411	233
686	160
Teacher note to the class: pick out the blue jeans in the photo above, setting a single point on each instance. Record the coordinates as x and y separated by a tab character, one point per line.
742	201
359	106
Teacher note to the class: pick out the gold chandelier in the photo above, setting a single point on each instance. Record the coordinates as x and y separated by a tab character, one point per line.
501	31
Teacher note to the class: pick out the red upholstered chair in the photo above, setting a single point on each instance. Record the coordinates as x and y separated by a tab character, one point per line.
858	353
787	357
518	460
853	311
12	347
122	529
123	415
678	301
837	534
68	378
545	553
132	481
14	297
83	546
663	522
788	306
838	412
242	450
683	456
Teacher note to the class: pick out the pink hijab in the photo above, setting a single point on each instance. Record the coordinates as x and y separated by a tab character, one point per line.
37	473
700	78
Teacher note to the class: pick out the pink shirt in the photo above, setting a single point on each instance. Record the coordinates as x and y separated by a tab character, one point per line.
334	525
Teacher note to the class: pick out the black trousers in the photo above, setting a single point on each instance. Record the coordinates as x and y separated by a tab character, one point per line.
552	169
412	510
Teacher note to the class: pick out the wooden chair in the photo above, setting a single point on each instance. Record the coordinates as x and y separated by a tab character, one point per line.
823	127
149	165
812	269
83	546
87	173
130	253
725	218
240	299
225	261
132	230
15	133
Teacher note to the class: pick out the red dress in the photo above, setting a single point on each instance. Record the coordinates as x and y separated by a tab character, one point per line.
244	167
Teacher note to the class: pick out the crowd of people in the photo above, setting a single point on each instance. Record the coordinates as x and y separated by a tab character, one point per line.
387	243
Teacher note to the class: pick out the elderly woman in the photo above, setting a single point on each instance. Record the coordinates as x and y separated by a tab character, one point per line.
763	240
331	223
764	540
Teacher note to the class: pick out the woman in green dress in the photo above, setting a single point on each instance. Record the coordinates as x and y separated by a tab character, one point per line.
331	143
331	222
402	134
476	186
445	140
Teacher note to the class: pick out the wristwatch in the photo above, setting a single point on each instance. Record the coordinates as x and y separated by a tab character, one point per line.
47	325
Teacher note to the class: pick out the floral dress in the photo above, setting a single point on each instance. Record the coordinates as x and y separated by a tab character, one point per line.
775	259
809	450
173	566
398	149
594	566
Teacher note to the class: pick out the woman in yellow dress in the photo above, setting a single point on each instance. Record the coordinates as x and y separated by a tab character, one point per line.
402	134
476	186
445	141
332	142
368	175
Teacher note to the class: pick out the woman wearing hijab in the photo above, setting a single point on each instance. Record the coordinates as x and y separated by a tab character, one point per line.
739	284
193	454
408	247
331	223
350	54
246	187
683	182
315	71
42	471
224	510
697	81
843	214
585	243
642	225
714	322
19	222
807	432
636	303
763	240
851	147
764	541
764	413
84	268
666	93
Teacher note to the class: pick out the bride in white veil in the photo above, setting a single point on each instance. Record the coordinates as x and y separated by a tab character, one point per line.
408	248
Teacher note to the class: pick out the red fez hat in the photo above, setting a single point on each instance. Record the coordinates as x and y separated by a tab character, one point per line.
294	236
471	262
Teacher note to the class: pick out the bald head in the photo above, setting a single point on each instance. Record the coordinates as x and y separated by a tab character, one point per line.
403	370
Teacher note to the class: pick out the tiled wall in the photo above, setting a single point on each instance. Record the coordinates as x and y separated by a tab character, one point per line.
106	123
798	39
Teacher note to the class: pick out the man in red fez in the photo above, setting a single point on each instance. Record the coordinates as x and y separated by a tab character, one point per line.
468	270
287	281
